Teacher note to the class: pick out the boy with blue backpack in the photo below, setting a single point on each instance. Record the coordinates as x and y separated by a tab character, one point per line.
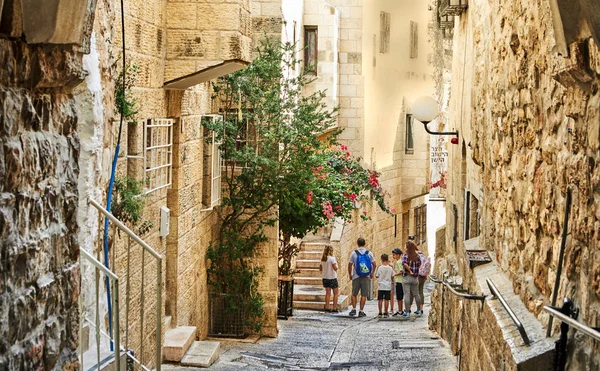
360	269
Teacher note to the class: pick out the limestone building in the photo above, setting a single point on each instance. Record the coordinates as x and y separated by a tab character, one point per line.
60	127
525	103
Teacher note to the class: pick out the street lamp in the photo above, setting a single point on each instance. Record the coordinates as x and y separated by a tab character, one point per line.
425	109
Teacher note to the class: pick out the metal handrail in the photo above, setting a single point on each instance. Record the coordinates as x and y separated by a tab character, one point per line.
114	339
467	296
158	257
573	323
512	315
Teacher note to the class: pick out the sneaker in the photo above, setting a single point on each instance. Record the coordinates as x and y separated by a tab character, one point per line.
419	313
397	314
386	315
361	314
405	315
352	313
380	315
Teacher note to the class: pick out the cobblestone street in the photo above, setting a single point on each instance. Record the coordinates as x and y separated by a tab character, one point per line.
313	340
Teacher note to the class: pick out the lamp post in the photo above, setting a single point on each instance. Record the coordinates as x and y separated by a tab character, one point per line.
425	109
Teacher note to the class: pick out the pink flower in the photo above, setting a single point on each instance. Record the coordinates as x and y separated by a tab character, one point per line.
343	147
309	196
393	211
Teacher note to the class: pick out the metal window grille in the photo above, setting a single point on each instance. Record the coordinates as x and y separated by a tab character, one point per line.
405	226
453	7
466	213
215	185
423	223
384	32
409	143
158	153
311	49
414	40
418	225
212	166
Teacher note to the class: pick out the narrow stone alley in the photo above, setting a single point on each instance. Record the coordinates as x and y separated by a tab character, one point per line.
312	340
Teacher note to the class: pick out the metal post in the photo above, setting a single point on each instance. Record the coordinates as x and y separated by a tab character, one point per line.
142	297
115	334
561	343
561	255
158	314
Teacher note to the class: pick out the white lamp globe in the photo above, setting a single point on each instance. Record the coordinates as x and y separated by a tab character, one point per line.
425	109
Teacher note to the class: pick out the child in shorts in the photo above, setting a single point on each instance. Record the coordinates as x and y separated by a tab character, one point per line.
384	287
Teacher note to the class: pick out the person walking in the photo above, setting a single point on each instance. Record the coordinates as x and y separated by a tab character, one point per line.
360	269
410	282
398	269
329	269
384	276
423	273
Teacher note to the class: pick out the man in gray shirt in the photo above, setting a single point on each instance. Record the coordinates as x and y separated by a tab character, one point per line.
360	282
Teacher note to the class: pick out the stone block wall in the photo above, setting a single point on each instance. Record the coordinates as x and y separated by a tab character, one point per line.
529	129
202	33
39	288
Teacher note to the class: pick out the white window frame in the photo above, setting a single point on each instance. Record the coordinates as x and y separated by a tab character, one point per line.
158	155
216	164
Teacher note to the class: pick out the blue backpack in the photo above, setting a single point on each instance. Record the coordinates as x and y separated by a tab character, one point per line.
363	264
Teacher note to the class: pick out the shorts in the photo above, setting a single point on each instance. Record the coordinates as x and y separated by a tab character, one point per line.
361	284
383	295
399	291
330	283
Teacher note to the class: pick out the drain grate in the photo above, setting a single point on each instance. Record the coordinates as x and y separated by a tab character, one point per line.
265	357
337	366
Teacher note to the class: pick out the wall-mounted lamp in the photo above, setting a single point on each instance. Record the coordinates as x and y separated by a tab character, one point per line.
425	109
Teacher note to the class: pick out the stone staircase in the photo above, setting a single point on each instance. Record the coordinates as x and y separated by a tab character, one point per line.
180	347
308	287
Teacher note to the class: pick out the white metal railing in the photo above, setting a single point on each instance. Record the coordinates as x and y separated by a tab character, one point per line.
113	338
145	249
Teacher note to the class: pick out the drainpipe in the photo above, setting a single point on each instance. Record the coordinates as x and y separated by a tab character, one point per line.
561	256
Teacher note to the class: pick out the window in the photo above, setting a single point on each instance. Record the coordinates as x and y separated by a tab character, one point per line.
420	224
384	32
374	50
211	167
246	132
414	40
409	144
158	153
311	53
471	216
423	223
405	225
417	225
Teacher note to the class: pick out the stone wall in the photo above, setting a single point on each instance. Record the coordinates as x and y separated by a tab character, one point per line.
39	288
528	120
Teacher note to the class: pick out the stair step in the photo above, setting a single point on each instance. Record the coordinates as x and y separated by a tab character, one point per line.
309	255
314	264
313	281
343	302
308	272
177	342
313	246
202	354
107	360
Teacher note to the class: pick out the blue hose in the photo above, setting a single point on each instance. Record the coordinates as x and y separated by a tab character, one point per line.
106	259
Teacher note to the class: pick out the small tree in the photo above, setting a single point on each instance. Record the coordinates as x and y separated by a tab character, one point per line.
270	151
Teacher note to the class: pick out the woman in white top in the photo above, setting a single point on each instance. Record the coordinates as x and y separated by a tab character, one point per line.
329	269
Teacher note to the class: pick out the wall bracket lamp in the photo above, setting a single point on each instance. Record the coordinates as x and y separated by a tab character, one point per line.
425	109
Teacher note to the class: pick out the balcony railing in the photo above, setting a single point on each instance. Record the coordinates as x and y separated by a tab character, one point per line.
141	315
452	7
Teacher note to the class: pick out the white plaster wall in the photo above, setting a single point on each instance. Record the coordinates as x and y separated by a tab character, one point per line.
397	80
90	128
